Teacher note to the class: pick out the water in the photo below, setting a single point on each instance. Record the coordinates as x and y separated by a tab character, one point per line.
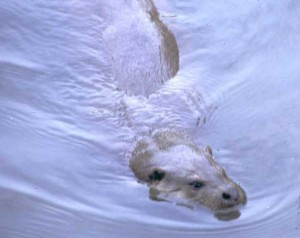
65	129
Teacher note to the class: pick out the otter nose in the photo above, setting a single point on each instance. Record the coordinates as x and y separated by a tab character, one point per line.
231	194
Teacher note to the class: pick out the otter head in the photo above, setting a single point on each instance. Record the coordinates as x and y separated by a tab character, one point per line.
185	174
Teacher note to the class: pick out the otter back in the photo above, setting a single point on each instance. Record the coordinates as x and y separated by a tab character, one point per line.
144	53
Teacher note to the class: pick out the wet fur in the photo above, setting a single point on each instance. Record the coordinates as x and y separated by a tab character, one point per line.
169	160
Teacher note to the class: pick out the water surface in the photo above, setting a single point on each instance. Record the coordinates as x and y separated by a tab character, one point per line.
65	129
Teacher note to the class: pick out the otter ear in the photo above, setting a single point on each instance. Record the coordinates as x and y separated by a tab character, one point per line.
210	156
208	151
156	175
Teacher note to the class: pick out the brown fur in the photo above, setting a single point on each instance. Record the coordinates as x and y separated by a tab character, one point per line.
170	162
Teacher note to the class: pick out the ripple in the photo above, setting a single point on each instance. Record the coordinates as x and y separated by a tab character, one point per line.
65	128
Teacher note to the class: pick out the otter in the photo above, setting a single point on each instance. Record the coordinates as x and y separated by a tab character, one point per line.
176	168
144	55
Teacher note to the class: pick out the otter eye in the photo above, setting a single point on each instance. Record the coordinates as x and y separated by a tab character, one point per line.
157	175
196	185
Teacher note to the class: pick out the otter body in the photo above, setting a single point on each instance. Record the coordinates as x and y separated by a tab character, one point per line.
144	53
177	169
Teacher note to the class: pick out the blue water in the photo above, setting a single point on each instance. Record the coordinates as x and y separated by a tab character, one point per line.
65	129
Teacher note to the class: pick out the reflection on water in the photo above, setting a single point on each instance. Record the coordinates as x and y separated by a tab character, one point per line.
63	136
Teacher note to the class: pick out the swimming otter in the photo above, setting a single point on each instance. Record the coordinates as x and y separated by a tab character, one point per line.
144	55
176	168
